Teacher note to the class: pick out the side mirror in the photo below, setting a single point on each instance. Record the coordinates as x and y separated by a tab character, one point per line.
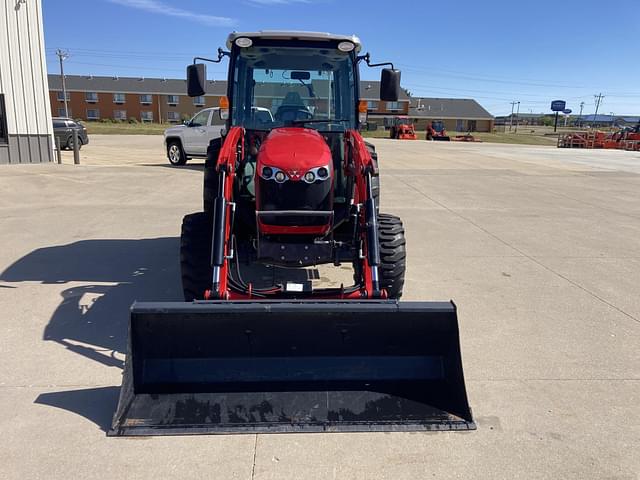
390	85
196	77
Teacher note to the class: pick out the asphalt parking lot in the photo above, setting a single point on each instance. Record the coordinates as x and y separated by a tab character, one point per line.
539	248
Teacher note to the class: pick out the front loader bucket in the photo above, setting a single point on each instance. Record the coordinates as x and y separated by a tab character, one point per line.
442	139
267	366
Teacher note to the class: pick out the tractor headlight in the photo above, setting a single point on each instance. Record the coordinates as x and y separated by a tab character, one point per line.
309	177
280	176
243	42
346	46
317	173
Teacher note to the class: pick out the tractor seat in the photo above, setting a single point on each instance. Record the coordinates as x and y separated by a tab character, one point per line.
292	109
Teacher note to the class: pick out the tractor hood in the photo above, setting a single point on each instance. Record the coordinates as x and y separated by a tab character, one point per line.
295	151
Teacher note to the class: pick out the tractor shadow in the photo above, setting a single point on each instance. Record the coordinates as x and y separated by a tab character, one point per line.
104	278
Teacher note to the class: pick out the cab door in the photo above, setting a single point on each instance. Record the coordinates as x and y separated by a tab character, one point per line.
195	136
215	126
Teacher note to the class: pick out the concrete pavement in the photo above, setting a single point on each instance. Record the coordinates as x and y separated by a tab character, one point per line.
539	247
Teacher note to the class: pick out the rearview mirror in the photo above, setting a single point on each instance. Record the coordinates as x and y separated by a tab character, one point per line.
390	85
296	75
196	77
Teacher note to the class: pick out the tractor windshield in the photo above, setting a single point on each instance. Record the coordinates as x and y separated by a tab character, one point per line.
285	86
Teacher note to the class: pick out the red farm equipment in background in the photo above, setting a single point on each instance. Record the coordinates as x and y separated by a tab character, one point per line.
627	138
402	128
436	131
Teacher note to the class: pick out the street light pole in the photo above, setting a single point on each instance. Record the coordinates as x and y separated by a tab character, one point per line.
517	117
598	98
511	116
580	116
62	55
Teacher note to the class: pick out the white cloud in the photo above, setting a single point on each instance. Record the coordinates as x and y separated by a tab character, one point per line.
155	6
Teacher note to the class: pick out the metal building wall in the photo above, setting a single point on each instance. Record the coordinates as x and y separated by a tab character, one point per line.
23	81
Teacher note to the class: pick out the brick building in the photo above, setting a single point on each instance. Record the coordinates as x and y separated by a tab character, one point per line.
165	100
122	98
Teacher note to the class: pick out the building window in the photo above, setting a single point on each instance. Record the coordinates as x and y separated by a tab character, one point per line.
146	99
119	98
4	138
62	113
120	114
198	101
146	116
91	97
394	106
93	114
459	125
61	96
372	105
172	99
173	116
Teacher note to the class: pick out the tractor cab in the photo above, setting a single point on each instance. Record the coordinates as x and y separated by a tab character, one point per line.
297	173
295	161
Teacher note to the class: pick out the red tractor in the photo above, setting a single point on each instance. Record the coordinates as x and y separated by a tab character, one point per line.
301	190
436	131
402	128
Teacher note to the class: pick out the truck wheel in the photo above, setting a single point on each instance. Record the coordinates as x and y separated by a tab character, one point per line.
69	145
175	153
195	255
393	254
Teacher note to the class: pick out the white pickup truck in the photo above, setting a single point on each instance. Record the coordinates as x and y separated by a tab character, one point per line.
191	139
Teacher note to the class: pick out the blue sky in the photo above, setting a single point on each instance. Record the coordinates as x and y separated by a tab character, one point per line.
494	51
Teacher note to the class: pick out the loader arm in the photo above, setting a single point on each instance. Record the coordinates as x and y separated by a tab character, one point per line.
221	249
363	168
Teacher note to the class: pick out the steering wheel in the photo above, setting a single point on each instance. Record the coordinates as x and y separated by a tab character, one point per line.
293	113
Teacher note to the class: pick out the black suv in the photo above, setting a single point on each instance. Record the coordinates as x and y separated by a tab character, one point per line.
63	131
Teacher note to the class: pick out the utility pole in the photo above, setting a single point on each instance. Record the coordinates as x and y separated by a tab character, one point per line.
517	117
580	116
598	98
511	116
62	55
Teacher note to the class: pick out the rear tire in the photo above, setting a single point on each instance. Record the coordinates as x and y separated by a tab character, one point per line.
195	255
175	153
393	254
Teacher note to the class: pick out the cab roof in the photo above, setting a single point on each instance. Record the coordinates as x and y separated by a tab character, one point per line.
295	35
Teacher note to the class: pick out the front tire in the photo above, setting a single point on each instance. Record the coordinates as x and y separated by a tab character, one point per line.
69	145
393	254
195	255
175	153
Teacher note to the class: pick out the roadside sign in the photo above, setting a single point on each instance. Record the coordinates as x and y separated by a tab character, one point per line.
558	105
567	111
